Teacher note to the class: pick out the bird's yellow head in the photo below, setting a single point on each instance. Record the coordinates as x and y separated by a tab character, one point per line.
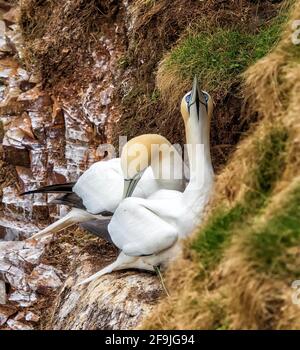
136	156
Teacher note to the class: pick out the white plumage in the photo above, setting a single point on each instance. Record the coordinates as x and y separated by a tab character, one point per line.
101	188
147	231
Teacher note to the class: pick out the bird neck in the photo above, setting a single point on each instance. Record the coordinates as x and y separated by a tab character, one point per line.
198	148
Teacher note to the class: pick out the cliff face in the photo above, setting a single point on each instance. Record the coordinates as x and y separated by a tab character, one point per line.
78	74
51	134
58	104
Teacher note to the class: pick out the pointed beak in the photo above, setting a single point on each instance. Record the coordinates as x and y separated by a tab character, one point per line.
130	185
198	103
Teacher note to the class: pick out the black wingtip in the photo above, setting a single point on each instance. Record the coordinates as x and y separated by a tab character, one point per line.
29	192
60	188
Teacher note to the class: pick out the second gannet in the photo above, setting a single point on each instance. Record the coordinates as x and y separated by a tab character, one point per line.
100	189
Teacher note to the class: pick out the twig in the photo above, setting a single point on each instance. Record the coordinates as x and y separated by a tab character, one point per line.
157	270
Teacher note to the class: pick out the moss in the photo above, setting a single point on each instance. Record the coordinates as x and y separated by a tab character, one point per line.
271	151
218	57
215	236
270	245
211	240
155	96
266	234
124	62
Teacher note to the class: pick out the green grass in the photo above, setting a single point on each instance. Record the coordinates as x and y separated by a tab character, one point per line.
215	236
272	160
269	245
155	96
220	56
124	62
211	240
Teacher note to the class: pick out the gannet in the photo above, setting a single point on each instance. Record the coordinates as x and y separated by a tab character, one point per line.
100	189
148	231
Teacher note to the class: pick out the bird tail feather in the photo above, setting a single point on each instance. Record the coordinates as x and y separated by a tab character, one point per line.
73	217
60	188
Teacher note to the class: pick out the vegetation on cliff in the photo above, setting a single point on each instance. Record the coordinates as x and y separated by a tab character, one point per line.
238	268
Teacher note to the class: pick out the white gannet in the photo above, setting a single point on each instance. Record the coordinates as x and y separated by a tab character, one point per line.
100	189
147	231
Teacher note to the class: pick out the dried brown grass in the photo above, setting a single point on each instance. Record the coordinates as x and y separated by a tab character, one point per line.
151	106
244	15
249	298
58	35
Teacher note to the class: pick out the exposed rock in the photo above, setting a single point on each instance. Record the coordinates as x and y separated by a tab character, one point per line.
5	48
32	317
44	278
20	316
25	176
17	261
11	15
2	293
23	299
15	40
118	300
4	5
18	326
2	232
52	137
27	317
5	313
16	230
16	156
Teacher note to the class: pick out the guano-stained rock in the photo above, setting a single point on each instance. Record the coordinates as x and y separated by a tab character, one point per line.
18	326
2	293
116	301
5	313
44	278
52	138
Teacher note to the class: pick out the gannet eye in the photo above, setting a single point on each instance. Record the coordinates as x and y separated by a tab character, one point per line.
188	98
206	96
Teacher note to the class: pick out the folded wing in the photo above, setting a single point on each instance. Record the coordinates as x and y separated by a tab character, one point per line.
101	186
138	231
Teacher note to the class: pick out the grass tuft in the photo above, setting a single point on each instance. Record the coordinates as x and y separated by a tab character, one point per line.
271	245
212	240
218	57
253	226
